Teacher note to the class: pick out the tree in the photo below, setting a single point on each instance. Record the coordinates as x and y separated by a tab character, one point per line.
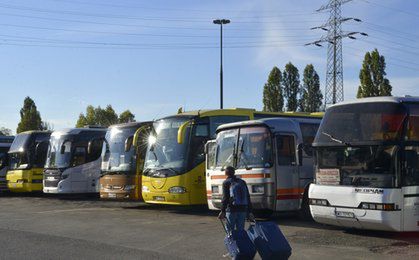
372	76
5	131
180	110
311	97
103	117
126	117
30	118
291	85
273	99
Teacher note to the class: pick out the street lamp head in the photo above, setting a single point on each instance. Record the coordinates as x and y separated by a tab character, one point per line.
221	21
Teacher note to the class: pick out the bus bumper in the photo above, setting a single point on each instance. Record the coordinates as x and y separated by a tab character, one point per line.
166	198
357	218
118	187
3	184
259	202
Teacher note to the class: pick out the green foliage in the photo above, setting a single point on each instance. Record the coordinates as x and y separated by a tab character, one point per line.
103	117
273	99
180	110
5	131
30	118
311	98
291	85
372	76
126	117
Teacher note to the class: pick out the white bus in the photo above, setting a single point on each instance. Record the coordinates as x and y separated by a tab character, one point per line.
5	143
273	155
367	170
73	161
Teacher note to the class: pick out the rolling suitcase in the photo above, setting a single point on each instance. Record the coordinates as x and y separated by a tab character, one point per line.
269	241
238	244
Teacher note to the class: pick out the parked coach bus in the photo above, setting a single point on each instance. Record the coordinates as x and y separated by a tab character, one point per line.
26	161
5	143
273	155
174	170
367	166
123	160
73	161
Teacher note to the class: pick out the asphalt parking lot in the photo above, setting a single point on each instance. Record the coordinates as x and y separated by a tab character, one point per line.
40	227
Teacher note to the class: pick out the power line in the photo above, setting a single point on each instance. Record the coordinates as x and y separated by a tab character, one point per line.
391	8
114	16
199	44
177	9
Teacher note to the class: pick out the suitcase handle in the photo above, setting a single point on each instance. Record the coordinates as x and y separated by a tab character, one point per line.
226	226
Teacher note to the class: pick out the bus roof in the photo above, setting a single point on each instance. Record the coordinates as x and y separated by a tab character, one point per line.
239	111
35	132
131	124
75	131
379	99
275	124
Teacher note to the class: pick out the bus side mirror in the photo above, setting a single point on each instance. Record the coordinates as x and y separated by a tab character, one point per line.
181	132
128	143
62	148
91	144
300	154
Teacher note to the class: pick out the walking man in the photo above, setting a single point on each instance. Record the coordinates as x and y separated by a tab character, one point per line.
236	205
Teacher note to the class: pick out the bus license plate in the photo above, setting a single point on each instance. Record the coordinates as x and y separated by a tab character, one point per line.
159	198
344	214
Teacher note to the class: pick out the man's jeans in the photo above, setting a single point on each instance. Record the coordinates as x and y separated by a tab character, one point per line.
236	220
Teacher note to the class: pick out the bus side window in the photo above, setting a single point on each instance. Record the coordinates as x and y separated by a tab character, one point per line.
285	147
411	176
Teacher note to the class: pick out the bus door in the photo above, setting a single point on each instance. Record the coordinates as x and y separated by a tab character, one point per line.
287	173
210	149
411	189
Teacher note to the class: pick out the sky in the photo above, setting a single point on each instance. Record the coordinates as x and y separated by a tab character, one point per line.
152	57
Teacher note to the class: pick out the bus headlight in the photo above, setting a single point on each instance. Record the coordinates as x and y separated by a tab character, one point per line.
319	202
259	188
145	189
177	189
129	187
215	189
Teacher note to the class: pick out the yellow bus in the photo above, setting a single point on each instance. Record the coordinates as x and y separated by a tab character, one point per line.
27	159
174	169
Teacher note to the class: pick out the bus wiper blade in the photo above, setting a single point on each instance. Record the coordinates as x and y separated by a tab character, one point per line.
335	139
243	155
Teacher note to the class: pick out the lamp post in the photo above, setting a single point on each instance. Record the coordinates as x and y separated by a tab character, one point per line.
221	22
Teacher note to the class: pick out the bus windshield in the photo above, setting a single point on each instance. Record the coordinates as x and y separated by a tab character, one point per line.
251	145
360	123
359	166
59	152
19	161
115	158
165	156
255	148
